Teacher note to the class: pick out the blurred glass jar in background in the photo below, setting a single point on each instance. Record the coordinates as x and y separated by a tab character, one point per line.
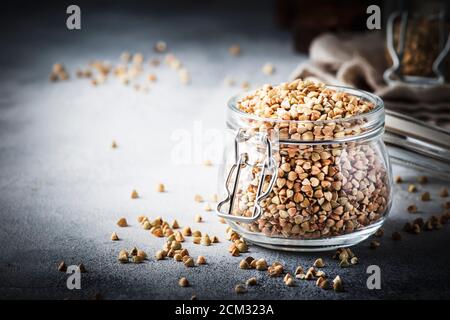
418	43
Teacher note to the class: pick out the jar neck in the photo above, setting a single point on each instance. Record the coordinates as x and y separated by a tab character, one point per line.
362	127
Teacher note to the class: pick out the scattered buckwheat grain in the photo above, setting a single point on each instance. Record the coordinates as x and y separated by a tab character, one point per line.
189	262
320	273
290	282
142	254
205	240
261	264
175	224
207	163
325	285
429	225
245	85
81	268
268	69
62	266
185	76
276	270
299	270
337	284
160	187
319	263
183	282
201	260
425	196
154	62
412	208
138	259
186	231
125	57
178	257
235	50
241	246
309	274
374	244
159	255
198	198
122	222
244	264
422	179
175	245
134	194
179	236
196	233
344	263
396	236
146	225
160	46
123	256
251	282
138	59
240	288
58	73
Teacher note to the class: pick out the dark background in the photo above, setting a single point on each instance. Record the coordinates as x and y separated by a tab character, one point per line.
62	190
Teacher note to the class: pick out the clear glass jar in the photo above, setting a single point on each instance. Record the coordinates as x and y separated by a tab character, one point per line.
288	190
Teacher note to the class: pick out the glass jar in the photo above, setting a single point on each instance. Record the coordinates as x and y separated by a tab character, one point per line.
288	190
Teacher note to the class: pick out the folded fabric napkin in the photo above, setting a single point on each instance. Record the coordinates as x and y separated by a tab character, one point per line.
359	60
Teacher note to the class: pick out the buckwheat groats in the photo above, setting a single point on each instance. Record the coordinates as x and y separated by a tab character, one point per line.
303	100
333	176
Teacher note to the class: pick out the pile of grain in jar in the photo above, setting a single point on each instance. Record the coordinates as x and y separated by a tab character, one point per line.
321	190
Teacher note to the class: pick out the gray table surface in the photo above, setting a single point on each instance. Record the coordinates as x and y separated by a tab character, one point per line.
62	188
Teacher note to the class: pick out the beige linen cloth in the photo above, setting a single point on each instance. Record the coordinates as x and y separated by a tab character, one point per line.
359	60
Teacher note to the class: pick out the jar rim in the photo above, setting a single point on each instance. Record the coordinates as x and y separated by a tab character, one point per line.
376	112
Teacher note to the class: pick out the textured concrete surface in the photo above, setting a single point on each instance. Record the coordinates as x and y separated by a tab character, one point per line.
62	187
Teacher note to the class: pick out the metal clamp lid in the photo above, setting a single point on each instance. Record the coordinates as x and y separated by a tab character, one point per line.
240	163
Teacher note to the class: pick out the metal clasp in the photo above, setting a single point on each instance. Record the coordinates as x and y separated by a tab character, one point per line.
241	161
